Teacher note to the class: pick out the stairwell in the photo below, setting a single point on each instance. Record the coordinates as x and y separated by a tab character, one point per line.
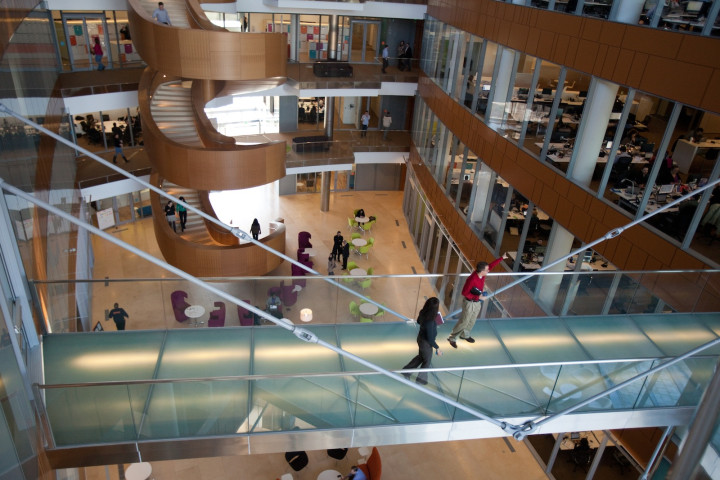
171	109
176	10
195	230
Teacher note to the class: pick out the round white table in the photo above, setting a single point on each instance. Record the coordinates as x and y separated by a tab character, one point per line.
362	219
358	272
329	475
309	251
369	308
359	242
138	471
195	312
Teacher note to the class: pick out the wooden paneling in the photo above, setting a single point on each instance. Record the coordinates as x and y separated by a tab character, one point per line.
220	166
203	54
215	260
669	64
576	209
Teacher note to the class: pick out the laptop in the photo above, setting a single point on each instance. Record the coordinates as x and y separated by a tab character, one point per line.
632	190
693	7
665	189
660	198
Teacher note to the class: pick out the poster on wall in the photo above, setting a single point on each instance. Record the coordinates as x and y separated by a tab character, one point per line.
105	218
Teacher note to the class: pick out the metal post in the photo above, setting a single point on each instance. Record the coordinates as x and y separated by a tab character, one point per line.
333	38
325	191
703	425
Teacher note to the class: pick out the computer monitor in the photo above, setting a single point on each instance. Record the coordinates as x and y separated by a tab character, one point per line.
583	94
693	7
647	147
661	198
106	118
665	189
587	257
608	145
523	91
547	91
486	88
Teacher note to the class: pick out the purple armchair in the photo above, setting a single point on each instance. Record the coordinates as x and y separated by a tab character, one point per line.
297	271
217	316
303	257
299	281
177	298
304	240
289	295
246	317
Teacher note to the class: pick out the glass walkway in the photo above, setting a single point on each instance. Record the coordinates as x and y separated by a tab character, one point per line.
266	386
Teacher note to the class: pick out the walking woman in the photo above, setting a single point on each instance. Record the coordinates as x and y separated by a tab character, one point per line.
170	214
182	213
425	339
98	51
255	229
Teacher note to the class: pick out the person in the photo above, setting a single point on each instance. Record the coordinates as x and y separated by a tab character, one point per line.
273	305
116	130
161	15
407	55
170	214
98	52
118	315
245	25
331	265
631	137
640	177
255	229
355	474
425	339
675	174
387	121
400	52
119	148
473	295
125	32
385	57
365	120
345	254
337	246
182	211
360	212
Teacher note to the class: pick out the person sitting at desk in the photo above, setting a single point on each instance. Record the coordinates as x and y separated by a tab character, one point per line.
640	177
621	166
273	305
632	137
666	177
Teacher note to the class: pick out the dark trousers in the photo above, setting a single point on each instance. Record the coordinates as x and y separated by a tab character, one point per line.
385	64
345	262
336	252
422	359
183	220
120	324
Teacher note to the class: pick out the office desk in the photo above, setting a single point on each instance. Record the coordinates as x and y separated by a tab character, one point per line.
631	202
567	154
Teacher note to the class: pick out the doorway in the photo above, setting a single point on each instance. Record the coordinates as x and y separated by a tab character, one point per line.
80	32
364	41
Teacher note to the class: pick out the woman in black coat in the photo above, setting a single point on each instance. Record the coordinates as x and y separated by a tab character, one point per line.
425	339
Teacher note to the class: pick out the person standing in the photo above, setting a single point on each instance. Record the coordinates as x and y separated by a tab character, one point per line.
337	246
386	121
182	211
385	57
407	55
473	296
245	26
425	339
98	52
345	254
400	54
119	148
170	214
161	15
255	229
365	121
331	265
118	315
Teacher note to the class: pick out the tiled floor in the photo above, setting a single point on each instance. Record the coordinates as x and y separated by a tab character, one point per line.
395	253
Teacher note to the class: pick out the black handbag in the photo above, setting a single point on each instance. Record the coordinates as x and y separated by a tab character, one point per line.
476	291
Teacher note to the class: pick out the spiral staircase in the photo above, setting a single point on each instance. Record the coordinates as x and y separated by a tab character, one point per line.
189	63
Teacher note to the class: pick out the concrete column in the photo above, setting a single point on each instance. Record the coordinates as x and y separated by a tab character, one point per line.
598	108
325	192
482	190
333	38
502	83
560	243
329	116
628	11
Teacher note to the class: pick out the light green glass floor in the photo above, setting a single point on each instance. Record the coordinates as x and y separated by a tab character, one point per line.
124	386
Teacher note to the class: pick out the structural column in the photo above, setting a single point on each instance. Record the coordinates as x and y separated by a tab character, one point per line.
325	192
502	83
560	243
596	114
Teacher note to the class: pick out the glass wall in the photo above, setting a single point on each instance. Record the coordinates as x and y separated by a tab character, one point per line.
603	136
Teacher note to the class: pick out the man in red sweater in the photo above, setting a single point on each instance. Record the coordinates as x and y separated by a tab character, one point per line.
473	296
